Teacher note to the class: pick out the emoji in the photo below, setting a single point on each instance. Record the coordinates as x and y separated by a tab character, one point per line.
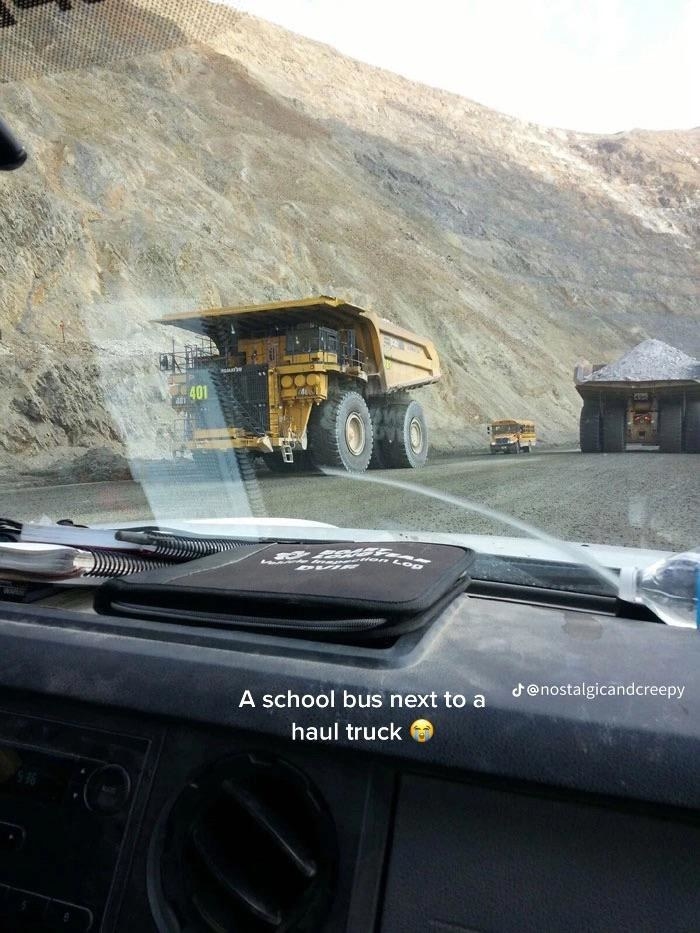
422	730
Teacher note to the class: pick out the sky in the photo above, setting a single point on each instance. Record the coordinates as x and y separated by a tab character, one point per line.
599	66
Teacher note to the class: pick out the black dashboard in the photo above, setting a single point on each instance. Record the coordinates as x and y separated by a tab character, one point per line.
142	790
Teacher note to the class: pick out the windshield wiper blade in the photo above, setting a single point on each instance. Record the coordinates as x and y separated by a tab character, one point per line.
557	598
177	545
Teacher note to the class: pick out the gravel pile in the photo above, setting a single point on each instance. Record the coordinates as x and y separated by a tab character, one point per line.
649	361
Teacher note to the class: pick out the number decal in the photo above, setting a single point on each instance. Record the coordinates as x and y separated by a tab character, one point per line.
199	393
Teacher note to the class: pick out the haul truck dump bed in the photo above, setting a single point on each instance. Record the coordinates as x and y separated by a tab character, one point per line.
316	379
650	396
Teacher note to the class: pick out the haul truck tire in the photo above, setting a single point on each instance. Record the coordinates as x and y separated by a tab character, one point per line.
590	435
671	427
692	427
614	430
378	413
378	460
410	444
340	433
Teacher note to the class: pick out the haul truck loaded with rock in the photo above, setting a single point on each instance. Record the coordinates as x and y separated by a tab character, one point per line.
651	396
317	379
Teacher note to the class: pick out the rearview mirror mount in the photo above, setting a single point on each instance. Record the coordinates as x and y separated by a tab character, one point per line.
13	155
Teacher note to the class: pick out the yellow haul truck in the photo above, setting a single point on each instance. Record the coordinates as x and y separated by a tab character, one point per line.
317	380
650	397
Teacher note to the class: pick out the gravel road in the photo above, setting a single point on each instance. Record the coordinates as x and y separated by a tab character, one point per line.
639	498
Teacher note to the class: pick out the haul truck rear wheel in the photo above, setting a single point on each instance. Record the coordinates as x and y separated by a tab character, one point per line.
614	430
410	444
671	427
692	427
340	433
590	435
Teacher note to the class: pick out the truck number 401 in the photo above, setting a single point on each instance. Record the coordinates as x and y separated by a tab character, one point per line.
199	393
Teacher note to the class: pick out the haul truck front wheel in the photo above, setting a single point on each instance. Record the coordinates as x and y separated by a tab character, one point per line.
340	433
590	429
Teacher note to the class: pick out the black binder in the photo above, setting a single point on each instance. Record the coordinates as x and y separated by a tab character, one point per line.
363	591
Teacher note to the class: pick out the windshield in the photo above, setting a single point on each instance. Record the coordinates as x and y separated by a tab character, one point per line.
245	273
510	428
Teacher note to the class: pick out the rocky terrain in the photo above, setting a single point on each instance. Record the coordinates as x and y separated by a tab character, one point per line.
230	161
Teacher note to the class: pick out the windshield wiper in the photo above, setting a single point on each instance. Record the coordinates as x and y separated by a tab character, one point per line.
551	584
177	545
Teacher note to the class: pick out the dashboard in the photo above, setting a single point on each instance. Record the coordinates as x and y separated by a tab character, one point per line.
147	784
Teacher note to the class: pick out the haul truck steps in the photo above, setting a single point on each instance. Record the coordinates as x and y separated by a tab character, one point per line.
649	397
316	382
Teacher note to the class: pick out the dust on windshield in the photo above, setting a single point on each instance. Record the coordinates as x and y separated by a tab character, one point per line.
240	269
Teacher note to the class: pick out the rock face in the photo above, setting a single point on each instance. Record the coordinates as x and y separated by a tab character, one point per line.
243	163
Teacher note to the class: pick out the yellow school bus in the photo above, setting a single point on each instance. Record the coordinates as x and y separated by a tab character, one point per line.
510	436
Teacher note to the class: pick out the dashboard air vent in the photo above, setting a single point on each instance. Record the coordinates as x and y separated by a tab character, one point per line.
247	847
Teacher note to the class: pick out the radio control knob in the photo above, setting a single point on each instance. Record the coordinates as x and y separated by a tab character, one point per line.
108	789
